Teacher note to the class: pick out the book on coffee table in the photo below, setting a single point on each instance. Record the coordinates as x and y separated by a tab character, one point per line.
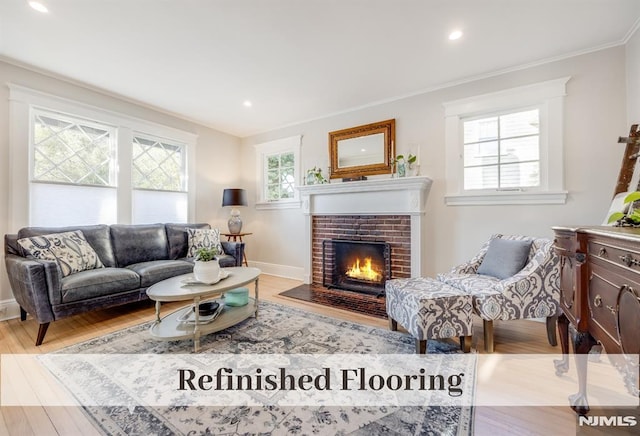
189	315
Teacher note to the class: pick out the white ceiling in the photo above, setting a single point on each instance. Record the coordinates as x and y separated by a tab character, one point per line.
296	60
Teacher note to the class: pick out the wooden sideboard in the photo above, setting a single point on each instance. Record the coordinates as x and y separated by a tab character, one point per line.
600	300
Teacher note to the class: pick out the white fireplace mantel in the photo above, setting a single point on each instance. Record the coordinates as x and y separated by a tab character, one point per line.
393	196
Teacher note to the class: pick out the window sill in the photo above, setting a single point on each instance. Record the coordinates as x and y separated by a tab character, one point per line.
291	204
502	198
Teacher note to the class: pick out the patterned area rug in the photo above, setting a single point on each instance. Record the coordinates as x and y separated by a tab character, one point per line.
278	329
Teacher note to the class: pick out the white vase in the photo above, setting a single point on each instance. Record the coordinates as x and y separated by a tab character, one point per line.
207	272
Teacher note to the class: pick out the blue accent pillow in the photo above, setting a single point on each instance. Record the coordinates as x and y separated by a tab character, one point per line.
505	257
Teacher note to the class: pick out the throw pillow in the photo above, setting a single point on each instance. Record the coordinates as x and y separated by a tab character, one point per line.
505	257
70	250
203	238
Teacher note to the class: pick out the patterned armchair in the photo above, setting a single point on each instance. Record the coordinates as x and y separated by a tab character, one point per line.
533	292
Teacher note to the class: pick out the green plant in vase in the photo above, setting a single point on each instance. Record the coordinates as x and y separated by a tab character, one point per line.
632	215
402	164
206	254
315	177
206	268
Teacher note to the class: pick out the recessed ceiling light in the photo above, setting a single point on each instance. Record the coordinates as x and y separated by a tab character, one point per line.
247	103
456	34
38	7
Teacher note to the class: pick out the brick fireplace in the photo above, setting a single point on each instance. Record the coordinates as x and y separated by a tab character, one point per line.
388	210
392	229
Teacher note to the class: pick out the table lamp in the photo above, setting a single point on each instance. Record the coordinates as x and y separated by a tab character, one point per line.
234	198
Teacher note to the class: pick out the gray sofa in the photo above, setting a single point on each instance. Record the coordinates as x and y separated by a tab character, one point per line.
134	257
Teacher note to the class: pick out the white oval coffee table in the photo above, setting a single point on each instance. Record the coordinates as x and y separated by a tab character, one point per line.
170	328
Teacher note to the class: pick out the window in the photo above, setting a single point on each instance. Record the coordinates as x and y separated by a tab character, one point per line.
87	165
158	171
506	147
502	151
72	170
279	173
68	150
280	176
158	165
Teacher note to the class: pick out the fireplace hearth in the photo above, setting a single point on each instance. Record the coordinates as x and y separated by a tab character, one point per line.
359	266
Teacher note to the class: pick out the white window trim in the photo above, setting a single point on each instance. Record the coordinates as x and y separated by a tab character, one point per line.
290	144
549	98
23	100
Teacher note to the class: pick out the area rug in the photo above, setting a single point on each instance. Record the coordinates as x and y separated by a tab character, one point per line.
278	329
345	300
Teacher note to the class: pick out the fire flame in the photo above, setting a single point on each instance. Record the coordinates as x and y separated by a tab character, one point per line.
364	272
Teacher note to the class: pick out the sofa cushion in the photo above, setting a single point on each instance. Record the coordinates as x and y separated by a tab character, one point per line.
203	238
70	250
98	282
154	271
98	236
139	243
505	257
178	238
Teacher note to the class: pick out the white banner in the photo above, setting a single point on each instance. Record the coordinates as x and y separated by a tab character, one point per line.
311	380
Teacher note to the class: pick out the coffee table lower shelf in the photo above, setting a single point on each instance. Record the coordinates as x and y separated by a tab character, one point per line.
170	329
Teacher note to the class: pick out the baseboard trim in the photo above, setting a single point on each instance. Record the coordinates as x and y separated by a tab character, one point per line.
9	309
289	272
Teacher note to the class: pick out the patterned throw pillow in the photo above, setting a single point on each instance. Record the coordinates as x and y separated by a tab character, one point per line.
70	250
203	238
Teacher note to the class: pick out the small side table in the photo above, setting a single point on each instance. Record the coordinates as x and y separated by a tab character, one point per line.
237	237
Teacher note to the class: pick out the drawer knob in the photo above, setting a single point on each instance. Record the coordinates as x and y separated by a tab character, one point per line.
597	301
602	252
628	260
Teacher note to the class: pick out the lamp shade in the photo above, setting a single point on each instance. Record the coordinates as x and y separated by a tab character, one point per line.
234	197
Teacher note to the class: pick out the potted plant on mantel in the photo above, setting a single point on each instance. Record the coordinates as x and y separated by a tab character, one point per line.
403	164
206	268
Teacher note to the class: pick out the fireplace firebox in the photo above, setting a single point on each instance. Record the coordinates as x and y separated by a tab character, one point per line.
360	266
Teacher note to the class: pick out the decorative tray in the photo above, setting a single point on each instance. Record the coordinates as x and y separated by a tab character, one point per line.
189	315
191	280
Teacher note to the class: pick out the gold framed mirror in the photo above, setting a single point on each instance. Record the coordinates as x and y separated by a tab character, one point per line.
362	150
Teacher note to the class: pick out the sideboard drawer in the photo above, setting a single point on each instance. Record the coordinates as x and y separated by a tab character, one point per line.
616	254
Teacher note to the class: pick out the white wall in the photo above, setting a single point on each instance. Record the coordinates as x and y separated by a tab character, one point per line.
216	153
633	79
595	115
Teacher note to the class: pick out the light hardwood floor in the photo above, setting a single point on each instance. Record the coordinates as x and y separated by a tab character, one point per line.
16	337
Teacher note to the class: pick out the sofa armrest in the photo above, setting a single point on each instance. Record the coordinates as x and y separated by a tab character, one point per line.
235	249
30	280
